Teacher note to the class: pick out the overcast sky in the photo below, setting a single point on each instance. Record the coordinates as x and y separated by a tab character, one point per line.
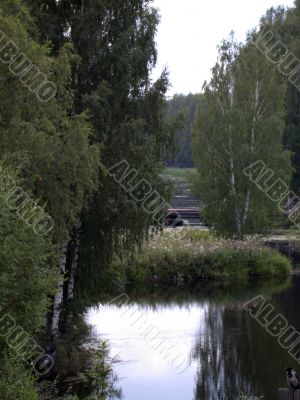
190	31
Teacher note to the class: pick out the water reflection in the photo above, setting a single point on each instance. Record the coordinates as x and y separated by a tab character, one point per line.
220	349
227	351
150	348
235	354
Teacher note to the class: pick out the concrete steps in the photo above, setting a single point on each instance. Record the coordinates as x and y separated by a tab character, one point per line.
184	203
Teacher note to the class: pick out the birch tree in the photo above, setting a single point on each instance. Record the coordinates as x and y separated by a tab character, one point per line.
239	121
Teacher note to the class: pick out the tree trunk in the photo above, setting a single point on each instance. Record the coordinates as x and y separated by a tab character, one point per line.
234	193
58	299
73	267
232	179
248	193
236	212
246	207
252	143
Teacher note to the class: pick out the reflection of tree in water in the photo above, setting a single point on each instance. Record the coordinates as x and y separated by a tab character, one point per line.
235	355
217	354
98	381
84	369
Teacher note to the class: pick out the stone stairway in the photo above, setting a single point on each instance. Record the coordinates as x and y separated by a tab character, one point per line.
185	203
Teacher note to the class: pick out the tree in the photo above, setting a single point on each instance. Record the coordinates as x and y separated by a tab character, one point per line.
284	24
289	34
115	49
240	121
46	141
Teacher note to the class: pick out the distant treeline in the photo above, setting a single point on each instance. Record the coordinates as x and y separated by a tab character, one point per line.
186	105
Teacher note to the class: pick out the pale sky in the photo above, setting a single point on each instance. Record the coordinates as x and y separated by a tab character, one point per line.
190	31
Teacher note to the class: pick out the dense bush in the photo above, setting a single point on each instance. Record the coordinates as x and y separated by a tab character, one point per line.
27	280
27	277
15	381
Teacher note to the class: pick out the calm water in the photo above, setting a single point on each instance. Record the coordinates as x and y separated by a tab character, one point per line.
197	346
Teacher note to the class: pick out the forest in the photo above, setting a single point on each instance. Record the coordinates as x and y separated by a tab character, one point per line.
186	107
86	135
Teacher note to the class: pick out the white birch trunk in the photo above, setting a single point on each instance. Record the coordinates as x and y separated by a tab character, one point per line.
58	299
233	189
246	207
255	117
73	266
231	161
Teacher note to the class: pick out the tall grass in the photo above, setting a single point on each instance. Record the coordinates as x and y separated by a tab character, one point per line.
200	256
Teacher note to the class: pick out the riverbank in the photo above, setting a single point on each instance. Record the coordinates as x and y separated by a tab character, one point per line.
199	256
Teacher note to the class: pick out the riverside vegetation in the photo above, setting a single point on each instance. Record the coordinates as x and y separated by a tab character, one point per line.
168	260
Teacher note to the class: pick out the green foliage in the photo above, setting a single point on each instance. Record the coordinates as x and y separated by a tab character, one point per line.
129	117
166	260
115	51
197	235
100	55
186	107
285	25
27	269
99	376
53	148
15	381
27	280
240	121
92	378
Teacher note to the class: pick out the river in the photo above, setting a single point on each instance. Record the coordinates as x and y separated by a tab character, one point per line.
199	345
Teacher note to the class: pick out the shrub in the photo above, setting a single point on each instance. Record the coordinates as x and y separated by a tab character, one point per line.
27	275
15	381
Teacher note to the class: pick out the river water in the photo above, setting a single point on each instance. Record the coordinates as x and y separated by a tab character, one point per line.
199	345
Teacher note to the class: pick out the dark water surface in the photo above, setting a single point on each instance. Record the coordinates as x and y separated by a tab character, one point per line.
199	345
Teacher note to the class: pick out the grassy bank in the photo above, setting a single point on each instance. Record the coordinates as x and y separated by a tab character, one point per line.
166	259
178	172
